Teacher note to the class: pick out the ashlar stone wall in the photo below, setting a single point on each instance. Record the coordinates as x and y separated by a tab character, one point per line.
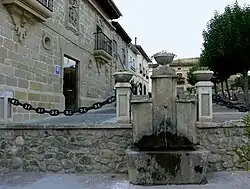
90	149
28	68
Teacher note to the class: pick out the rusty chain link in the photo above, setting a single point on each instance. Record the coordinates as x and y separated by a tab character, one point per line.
67	112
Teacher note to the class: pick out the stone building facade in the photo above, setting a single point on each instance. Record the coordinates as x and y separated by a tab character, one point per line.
182	66
121	41
37	38
138	63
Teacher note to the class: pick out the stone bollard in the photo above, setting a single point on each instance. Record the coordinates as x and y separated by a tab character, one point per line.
142	116
186	117
205	103
123	92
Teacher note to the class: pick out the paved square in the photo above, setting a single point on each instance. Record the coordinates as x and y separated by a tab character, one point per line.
219	180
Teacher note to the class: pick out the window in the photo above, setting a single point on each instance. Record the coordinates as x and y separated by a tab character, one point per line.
123	57
179	68
144	90
114	48
47	3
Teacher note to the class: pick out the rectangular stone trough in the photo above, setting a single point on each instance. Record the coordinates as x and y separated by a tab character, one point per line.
167	167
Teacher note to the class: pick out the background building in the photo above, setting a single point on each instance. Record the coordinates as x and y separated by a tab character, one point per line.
182	66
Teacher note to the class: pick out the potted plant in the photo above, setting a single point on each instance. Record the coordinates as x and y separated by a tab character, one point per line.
164	57
203	74
123	76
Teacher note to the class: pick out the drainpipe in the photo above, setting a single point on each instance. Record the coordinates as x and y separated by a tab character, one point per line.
135	40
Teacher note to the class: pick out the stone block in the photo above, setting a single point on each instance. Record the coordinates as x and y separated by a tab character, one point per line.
35	86
9	44
186	118
14	56
20	73
34	97
164	94
3	52
205	105
8	70
2	79
23	83
11	81
167	167
123	91
21	95
141	116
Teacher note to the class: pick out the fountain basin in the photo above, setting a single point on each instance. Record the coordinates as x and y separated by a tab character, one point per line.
167	167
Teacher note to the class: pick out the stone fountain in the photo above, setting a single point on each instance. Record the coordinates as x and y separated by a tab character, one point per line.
165	149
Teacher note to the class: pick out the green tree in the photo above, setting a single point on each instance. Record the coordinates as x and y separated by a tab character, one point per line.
226	44
190	75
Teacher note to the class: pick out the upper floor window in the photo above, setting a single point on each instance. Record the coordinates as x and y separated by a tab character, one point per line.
114	48
123	56
47	3
131	59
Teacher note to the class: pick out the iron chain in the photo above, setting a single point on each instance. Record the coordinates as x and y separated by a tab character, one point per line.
67	112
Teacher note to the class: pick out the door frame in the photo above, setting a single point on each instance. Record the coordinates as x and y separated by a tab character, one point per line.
77	100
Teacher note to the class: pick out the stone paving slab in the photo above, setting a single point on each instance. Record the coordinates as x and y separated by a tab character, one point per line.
218	180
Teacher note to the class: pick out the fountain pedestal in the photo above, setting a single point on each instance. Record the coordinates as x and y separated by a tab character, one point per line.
169	154
164	81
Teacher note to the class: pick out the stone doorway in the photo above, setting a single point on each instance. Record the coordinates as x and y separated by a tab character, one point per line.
70	84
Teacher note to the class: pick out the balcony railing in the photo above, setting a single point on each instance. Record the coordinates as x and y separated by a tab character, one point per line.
102	42
47	3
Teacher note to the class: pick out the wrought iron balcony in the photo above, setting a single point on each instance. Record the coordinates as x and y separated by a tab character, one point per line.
47	3
103	47
102	42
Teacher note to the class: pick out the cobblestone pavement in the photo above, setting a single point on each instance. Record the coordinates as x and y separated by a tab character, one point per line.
219	180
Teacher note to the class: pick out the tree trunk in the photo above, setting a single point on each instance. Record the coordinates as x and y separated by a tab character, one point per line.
222	88
227	88
245	80
215	88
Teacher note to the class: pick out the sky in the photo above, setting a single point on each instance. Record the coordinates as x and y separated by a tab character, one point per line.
172	25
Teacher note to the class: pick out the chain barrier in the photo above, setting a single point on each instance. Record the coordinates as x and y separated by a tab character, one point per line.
67	112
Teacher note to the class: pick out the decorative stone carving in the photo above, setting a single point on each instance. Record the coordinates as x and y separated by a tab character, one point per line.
25	13
46	41
106	70
72	16
90	64
100	23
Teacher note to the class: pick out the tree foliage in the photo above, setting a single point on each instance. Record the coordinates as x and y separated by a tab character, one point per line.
243	151
226	43
190	75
